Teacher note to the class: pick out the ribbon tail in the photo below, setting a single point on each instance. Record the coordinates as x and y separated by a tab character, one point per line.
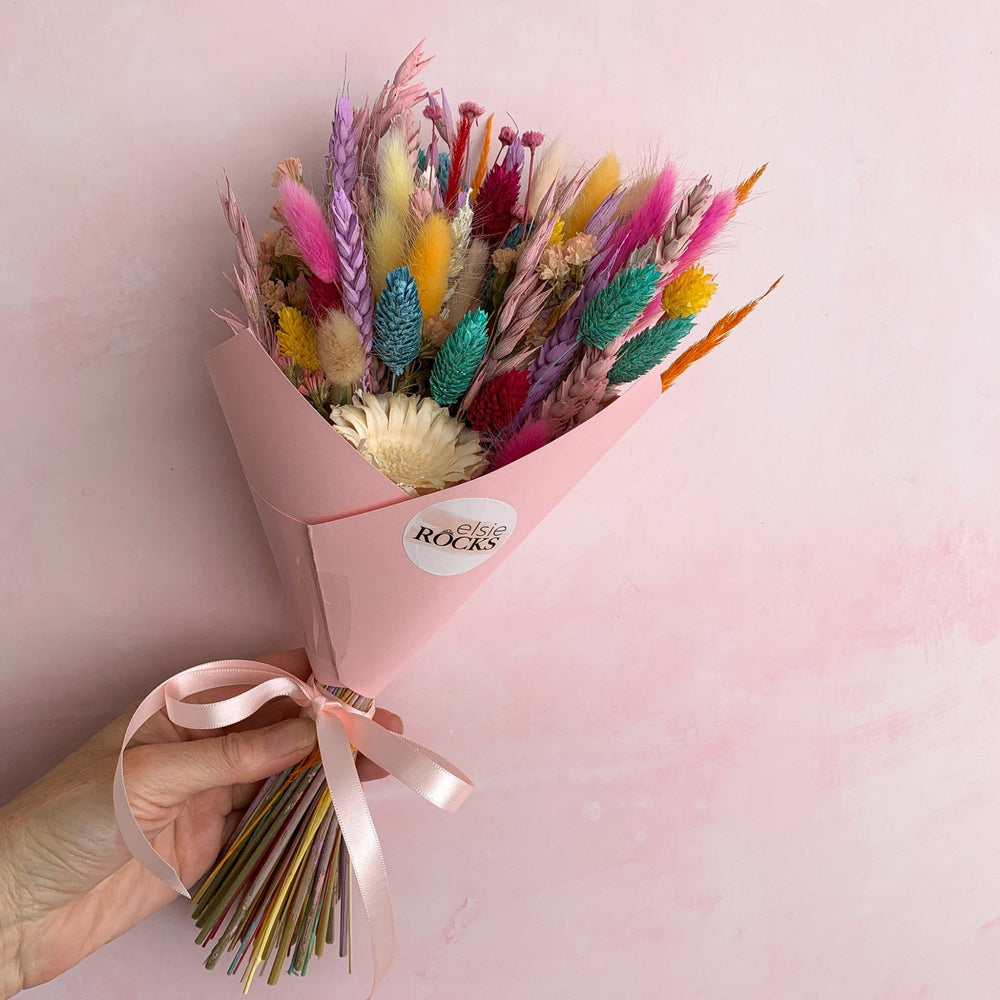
358	830
421	769
135	840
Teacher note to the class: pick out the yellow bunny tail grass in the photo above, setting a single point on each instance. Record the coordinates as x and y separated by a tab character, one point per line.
386	247
395	176
600	182
688	293
339	347
713	338
297	338
551	165
744	188
430	258
484	158
466	295
558	232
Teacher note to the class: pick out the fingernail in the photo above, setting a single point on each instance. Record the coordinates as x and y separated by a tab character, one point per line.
291	736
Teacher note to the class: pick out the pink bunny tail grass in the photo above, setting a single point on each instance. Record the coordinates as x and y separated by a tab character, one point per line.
523	442
309	230
648	222
718	213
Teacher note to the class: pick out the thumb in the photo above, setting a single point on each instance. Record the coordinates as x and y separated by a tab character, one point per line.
170	773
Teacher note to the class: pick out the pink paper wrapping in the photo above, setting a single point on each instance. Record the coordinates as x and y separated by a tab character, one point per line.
335	524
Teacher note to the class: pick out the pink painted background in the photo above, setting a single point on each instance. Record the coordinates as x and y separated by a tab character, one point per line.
732	713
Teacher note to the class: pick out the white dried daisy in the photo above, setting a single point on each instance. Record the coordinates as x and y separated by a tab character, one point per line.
413	441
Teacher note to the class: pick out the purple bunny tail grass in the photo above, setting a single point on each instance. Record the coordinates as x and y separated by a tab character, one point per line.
560	347
353	265
525	299
342	161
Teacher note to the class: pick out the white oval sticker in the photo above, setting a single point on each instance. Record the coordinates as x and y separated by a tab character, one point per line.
455	536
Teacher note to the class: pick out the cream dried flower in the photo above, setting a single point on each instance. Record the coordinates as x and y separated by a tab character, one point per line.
504	259
284	245
297	293
413	441
579	249
265	246
291	166
552	264
273	293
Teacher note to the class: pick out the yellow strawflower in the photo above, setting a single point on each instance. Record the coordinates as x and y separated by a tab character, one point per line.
688	293
297	338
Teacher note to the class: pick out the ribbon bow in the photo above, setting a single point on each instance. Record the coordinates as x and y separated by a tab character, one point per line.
339	727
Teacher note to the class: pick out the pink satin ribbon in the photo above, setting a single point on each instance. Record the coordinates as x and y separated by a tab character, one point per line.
338	728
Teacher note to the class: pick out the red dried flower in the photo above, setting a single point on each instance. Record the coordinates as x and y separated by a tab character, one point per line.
499	402
494	209
322	298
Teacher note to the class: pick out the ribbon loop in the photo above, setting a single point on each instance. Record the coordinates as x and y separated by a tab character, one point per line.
340	728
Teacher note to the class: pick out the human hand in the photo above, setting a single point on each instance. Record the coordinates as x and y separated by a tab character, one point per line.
68	883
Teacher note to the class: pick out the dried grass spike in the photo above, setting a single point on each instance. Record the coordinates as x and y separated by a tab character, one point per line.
339	348
713	338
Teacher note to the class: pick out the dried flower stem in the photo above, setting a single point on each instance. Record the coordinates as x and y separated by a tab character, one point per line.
246	282
713	338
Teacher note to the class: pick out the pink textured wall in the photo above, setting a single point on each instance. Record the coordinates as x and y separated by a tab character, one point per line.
758	758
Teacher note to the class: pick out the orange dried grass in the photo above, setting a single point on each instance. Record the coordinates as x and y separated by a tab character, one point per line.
713	338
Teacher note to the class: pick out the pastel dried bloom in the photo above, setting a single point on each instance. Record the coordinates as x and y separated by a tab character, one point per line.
580	249
433	112
552	265
297	293
265	246
421	203
273	293
291	166
435	331
414	442
284	245
504	259
471	111
507	135
532	140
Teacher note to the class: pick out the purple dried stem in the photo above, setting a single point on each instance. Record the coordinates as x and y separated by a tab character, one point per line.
342	162
526	297
557	352
354	283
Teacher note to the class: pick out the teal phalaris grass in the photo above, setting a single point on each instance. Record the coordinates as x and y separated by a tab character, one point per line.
646	350
459	358
615	308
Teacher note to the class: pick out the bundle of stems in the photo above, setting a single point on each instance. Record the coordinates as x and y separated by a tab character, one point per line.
282	889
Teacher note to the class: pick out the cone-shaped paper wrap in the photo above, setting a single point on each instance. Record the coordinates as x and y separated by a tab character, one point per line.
372	572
